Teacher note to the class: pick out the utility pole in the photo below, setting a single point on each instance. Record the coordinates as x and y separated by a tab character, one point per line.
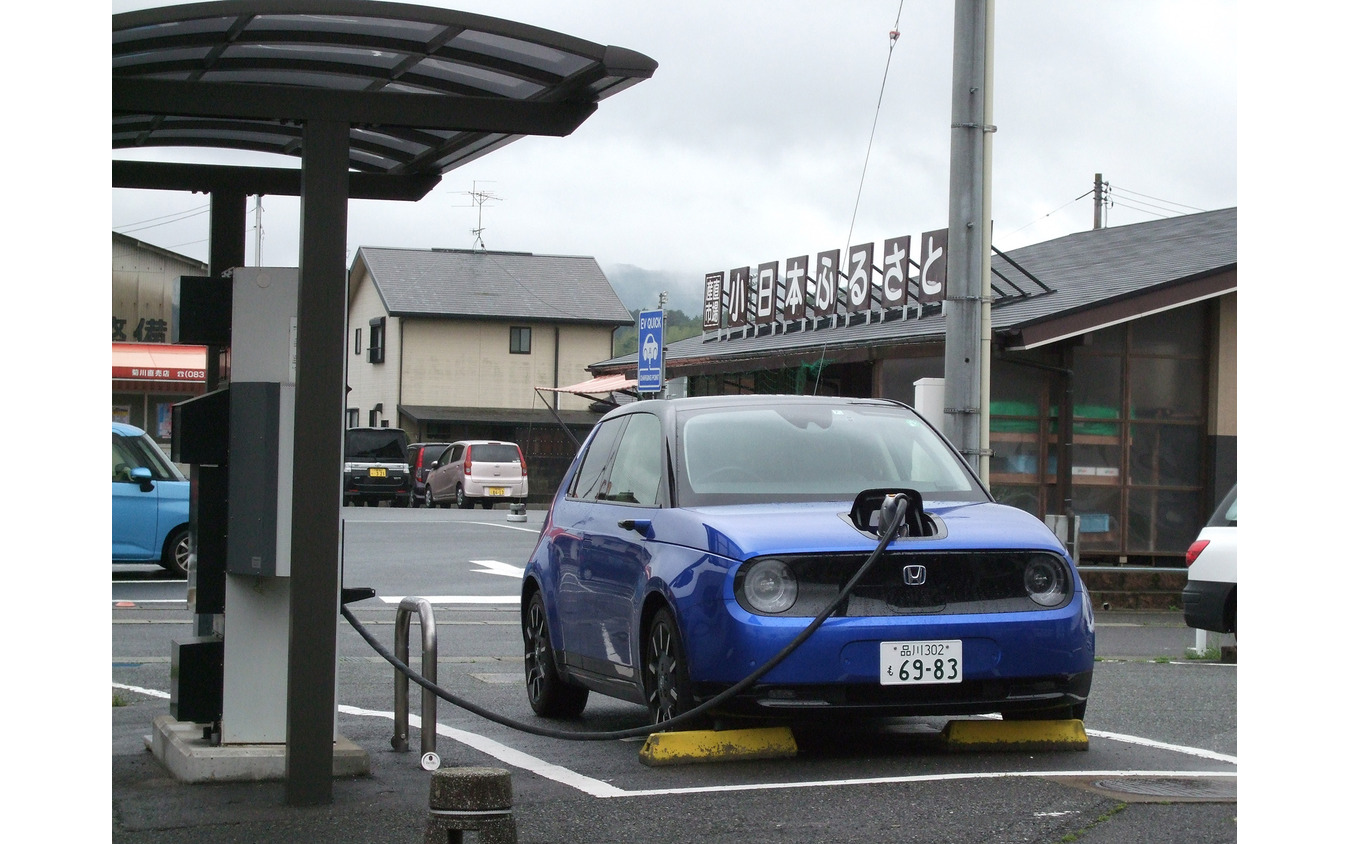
967	307
257	233
1099	191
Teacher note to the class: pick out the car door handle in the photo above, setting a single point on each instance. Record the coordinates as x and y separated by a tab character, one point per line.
642	526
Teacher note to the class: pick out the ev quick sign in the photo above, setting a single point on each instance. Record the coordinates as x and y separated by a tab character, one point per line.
651	351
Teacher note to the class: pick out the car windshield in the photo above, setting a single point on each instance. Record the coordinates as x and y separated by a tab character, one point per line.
385	445
494	453
815	452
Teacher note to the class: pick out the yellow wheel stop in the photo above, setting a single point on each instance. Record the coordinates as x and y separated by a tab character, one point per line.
694	746
1015	735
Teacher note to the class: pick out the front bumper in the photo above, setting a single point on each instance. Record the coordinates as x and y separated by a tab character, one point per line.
972	697
1011	662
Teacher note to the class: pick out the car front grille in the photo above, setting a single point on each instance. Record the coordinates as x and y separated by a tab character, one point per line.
910	583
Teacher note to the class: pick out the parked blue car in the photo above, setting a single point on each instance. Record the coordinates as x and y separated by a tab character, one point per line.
149	503
691	540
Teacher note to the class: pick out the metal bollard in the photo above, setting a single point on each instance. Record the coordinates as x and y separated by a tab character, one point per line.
401	621
477	799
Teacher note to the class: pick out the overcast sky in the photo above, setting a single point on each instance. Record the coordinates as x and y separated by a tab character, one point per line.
749	143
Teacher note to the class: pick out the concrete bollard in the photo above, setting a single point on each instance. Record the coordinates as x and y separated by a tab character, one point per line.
517	513
472	799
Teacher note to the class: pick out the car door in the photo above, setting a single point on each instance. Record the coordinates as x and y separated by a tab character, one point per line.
135	509
615	559
439	479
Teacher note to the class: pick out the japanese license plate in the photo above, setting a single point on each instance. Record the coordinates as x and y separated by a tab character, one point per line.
918	663
378	473
496	490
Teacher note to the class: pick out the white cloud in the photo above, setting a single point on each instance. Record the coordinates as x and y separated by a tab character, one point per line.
748	144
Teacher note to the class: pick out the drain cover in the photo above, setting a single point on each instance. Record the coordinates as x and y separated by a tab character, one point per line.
1181	788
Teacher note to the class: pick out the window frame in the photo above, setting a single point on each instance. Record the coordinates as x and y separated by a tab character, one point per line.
521	340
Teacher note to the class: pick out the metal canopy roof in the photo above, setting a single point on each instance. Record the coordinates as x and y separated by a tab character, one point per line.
425	90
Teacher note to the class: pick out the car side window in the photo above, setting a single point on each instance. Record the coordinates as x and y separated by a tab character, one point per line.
123	461
587	485
635	475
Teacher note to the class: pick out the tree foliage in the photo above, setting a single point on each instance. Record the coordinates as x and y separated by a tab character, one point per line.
678	326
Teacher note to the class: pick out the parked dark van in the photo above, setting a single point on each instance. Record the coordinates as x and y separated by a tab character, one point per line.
375	467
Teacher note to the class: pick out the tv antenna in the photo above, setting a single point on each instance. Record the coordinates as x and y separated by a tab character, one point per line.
480	198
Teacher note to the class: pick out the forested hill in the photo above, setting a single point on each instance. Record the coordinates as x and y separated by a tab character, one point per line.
678	327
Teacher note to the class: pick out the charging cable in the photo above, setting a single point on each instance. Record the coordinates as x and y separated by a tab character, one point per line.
892	519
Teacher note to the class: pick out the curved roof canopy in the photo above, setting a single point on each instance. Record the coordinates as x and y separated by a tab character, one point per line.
425	90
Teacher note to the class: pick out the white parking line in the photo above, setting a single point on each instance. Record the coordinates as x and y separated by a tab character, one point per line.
511	600
599	788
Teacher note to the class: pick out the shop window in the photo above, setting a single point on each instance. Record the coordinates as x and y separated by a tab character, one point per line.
1098	510
375	354
520	340
1178	332
1162	521
1165	455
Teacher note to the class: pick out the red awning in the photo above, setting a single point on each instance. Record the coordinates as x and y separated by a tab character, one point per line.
603	384
158	362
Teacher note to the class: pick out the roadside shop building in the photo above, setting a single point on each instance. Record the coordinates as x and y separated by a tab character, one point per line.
149	373
1131	331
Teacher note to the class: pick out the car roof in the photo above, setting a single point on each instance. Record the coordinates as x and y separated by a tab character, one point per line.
665	406
126	430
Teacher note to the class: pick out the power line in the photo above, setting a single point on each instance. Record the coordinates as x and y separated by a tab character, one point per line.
1156	199
1047	214
894	36
1137	208
164	220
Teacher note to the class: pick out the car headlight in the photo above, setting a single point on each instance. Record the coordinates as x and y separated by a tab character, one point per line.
770	586
1046	580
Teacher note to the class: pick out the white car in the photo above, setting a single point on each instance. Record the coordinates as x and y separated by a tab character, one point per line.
1210	598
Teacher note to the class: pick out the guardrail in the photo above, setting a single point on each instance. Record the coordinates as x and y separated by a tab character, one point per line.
402	622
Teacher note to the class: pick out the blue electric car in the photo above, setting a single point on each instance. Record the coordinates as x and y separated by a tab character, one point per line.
692	540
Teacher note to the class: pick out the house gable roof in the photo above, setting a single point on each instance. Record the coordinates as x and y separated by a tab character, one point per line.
476	284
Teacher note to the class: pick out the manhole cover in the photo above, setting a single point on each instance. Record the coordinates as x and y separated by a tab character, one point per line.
1183	788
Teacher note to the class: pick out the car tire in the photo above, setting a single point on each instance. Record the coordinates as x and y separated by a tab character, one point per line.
177	549
549	695
487	505
428	500
460	501
665	670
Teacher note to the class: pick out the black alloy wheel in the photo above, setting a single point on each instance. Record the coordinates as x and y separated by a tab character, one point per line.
665	671
550	696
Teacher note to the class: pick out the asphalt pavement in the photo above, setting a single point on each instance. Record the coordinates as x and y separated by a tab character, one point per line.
391	804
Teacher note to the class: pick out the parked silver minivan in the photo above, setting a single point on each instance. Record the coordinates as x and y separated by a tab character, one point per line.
478	471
